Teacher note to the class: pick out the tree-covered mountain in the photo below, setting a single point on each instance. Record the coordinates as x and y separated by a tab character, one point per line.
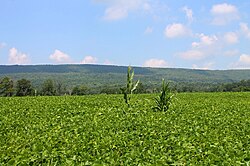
108	75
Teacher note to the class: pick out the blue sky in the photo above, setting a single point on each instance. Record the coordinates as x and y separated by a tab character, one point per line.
154	33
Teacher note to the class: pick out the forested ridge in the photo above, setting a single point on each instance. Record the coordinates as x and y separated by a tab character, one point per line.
95	79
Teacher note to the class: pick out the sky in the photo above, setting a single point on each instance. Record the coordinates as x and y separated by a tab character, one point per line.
191	34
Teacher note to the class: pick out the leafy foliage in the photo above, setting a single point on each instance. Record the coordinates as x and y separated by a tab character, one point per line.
204	129
24	88
6	87
61	89
140	89
80	90
48	88
242	86
130	87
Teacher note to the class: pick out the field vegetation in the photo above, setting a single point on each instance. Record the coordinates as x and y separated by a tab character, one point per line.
200	129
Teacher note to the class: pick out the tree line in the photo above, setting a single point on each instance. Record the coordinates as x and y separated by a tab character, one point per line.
24	87
242	86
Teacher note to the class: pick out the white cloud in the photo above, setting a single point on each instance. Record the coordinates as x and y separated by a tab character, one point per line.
108	62
224	13
231	38
205	40
155	63
192	55
206	66
119	9
243	62
189	13
245	59
16	57
208	45
148	30
176	30
60	57
115	13
224	9
89	60
245	30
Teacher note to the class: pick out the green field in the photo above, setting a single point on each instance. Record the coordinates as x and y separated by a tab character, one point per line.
201	129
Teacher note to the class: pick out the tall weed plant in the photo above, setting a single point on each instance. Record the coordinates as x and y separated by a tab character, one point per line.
130	87
165	99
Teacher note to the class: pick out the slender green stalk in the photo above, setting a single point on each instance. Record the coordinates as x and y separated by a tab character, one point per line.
130	87
165	99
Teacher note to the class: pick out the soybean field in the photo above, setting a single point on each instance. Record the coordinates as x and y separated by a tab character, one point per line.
199	129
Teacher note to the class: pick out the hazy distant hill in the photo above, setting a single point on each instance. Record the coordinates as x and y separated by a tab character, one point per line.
98	75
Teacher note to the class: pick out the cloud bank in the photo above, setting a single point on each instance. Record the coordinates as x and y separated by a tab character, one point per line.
89	60
224	13
16	57
176	30
120	9
155	63
60	57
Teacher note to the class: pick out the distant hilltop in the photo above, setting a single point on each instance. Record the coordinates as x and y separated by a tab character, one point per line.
98	75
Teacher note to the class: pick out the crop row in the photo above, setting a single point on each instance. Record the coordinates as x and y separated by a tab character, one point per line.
201	129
